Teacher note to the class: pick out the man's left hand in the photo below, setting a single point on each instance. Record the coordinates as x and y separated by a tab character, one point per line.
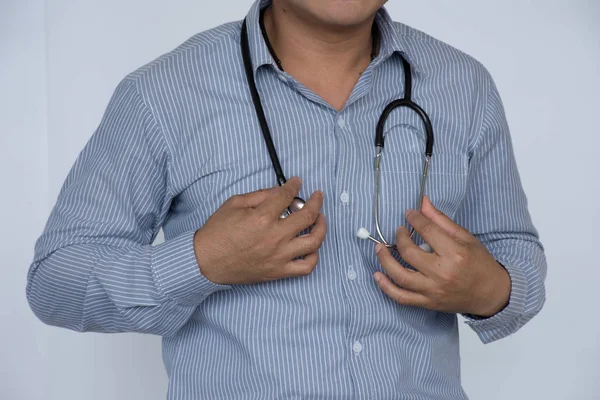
459	276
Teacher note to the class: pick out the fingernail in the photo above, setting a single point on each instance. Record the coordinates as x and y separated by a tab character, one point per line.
409	213
378	248
377	277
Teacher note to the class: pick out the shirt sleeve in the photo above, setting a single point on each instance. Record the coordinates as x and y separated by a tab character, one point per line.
495	211
94	266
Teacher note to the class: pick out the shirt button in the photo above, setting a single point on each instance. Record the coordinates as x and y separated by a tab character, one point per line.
282	78
345	197
351	273
341	122
357	348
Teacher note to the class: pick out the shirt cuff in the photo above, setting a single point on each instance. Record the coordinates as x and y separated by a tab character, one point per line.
177	272
506	321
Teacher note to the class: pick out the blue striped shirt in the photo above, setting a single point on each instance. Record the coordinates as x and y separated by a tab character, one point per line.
180	136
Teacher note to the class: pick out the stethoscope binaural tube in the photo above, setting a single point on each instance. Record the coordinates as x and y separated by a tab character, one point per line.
406	102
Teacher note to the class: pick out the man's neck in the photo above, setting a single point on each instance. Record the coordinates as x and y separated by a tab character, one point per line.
307	45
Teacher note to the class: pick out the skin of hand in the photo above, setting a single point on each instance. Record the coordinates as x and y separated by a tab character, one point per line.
459	276
245	241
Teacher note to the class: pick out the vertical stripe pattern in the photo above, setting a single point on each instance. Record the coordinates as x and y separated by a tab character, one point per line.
180	136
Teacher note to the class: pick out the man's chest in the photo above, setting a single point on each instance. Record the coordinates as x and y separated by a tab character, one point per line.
222	152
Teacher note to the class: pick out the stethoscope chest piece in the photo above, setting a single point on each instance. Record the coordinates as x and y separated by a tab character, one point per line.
297	205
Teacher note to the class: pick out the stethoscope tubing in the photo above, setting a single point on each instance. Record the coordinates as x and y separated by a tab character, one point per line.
260	112
406	102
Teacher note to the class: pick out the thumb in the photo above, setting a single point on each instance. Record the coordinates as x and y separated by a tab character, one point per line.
443	221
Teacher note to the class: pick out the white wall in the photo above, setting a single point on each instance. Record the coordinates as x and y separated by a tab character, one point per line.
61	60
24	355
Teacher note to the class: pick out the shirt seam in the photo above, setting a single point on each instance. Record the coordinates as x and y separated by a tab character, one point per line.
482	125
161	135
182	49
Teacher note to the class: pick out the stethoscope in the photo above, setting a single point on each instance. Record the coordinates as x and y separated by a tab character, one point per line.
406	101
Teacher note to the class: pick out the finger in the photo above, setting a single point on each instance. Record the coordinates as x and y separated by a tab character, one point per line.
300	220
283	197
440	241
443	221
253	199
301	267
401	296
413	281
310	242
416	256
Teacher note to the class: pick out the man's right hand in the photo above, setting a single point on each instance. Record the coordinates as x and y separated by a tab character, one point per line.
245	241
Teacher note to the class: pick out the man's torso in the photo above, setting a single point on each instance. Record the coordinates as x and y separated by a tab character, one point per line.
333	334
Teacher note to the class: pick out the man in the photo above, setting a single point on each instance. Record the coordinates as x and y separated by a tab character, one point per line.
254	306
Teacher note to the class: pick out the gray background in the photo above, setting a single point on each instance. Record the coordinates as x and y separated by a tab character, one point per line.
60	61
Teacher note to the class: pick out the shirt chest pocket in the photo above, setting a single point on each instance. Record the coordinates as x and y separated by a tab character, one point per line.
401	176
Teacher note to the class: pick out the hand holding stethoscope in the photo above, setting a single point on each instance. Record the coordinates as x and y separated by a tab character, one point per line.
459	275
245	241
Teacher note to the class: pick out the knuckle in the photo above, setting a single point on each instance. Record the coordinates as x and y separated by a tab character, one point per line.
402	248
320	235
399	296
462	235
461	256
312	244
462	244
428	228
315	260
449	276
306	217
434	294
275	274
263	220
400	279
234	200
437	298
288	194
311	215
308	269
409	253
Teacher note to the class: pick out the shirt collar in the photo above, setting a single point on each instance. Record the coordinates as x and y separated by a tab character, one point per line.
258	47
390	39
